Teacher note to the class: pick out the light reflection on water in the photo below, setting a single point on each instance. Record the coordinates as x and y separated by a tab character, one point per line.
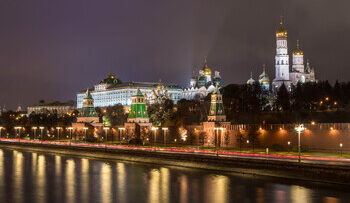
38	177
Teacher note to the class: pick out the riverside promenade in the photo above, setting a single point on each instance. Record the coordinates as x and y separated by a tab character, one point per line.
313	168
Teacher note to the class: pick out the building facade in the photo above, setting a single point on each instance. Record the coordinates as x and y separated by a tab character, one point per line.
55	107
111	91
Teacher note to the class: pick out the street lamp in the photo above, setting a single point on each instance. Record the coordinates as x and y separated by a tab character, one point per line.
70	132
164	129
19	131
106	130
121	132
155	134
288	146
41	132
299	129
0	130
341	149
34	128
58	132
85	129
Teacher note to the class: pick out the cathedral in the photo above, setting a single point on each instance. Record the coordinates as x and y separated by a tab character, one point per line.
284	74
298	71
203	83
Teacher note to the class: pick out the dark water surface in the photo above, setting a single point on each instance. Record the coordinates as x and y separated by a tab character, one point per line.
27	176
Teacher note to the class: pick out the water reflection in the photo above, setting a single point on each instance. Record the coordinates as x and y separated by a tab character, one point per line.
85	179
106	178
153	195
18	176
70	182
121	181
38	177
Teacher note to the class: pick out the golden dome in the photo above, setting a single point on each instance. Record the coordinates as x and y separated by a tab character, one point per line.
298	51
160	86
206	69
281	32
251	81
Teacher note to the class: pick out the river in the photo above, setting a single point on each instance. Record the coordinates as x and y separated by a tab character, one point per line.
28	176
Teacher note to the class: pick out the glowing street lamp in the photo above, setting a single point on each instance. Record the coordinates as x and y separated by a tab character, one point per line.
58	132
18	129
41	132
0	130
155	133
164	129
70	132
34	128
106	130
289	146
121	133
341	149
85	129
299	129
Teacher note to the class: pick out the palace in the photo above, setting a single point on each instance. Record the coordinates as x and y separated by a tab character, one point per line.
111	91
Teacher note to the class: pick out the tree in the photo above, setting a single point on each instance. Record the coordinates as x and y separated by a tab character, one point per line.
283	99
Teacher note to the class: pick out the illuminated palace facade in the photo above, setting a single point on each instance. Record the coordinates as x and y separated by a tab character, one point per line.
111	91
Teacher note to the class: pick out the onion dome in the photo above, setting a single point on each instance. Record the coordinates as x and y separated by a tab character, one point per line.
110	79
206	69
251	81
160	86
298	51
264	78
281	32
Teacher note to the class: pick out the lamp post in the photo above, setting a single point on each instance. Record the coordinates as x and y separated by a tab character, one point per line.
70	133
341	149
106	130
216	140
164	129
299	129
288	146
222	136
120	135
18	129
34	128
85	129
0	130
155	134
41	132
58	132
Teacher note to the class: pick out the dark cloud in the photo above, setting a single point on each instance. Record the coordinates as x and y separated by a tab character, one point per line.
52	49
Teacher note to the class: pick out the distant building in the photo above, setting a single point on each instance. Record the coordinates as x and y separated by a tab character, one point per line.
284	75
203	84
54	107
298	72
111	91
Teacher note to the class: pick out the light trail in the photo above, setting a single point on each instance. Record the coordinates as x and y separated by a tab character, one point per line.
329	160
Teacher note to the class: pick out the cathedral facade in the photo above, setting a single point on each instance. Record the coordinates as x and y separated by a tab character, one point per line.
284	74
203	83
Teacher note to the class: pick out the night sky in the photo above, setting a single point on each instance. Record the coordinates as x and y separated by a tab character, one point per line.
50	49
